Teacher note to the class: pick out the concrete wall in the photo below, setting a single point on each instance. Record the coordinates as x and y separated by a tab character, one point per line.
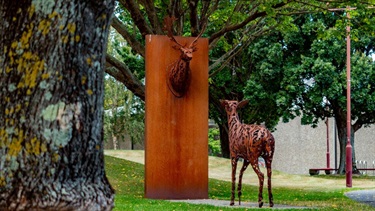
301	147
124	144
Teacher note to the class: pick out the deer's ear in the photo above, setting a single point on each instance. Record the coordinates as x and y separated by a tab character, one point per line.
242	103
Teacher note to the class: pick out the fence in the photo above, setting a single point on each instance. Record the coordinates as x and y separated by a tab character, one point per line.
365	168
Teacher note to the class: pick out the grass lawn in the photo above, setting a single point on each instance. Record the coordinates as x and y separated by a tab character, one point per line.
127	178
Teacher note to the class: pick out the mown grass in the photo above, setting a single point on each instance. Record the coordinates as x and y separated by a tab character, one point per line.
127	179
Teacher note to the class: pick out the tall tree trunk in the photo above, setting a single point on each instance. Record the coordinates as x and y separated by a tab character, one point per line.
115	142
224	139
51	105
342	135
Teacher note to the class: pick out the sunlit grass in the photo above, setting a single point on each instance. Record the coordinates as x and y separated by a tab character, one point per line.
127	178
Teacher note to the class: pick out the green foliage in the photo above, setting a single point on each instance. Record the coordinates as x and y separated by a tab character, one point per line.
304	72
228	80
124	113
214	141
266	68
119	48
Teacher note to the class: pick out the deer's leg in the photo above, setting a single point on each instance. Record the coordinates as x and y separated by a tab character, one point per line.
234	167
255	165
244	166
269	174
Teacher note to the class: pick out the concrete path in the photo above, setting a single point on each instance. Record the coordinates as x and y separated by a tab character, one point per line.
363	196
225	203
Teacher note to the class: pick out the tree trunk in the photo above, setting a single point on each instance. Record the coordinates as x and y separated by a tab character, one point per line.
115	142
224	140
51	105
342	135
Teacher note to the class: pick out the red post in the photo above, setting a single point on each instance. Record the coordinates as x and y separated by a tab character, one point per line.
328	164
348	105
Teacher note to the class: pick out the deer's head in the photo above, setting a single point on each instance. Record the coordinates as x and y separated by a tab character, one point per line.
231	106
178	78
186	50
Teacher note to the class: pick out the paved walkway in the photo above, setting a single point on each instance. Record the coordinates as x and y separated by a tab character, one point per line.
363	196
225	203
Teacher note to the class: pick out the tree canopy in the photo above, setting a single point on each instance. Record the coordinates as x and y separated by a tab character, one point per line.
123	113
234	30
230	24
311	79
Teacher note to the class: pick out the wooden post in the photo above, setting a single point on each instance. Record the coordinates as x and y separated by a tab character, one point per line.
176	149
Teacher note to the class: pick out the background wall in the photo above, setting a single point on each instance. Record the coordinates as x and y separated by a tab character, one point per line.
301	147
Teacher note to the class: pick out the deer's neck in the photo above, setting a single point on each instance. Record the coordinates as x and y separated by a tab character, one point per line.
185	58
233	121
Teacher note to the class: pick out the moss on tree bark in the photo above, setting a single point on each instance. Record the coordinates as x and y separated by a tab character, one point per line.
51	105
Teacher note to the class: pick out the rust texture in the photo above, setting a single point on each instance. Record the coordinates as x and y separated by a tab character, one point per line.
176	150
179	73
248	142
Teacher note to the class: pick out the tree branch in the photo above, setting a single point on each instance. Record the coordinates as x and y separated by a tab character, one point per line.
138	18
132	41
224	59
122	73
194	17
357	125
152	17
234	27
204	12
363	119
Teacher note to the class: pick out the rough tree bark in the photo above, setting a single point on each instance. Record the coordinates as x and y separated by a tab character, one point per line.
52	57
340	118
224	140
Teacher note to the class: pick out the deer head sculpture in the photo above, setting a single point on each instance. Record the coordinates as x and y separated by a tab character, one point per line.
178	74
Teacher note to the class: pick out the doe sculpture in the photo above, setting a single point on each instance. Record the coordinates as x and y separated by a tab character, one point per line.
248	142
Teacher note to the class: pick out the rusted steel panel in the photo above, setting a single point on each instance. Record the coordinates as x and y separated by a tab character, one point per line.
176	160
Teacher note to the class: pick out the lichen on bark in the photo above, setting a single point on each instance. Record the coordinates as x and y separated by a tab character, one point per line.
51	105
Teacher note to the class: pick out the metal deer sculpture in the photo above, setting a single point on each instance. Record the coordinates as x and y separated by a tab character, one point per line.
248	142
178	74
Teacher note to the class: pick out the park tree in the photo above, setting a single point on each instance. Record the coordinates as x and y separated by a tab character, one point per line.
124	111
303	73
52	57
231	27
123	114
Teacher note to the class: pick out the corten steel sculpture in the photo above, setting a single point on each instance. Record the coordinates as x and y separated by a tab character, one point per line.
178	75
248	142
176	150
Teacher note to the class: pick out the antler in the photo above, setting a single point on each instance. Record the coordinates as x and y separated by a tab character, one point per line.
192	45
168	26
178	78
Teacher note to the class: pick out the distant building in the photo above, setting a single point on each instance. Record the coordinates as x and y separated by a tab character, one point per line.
123	144
301	147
